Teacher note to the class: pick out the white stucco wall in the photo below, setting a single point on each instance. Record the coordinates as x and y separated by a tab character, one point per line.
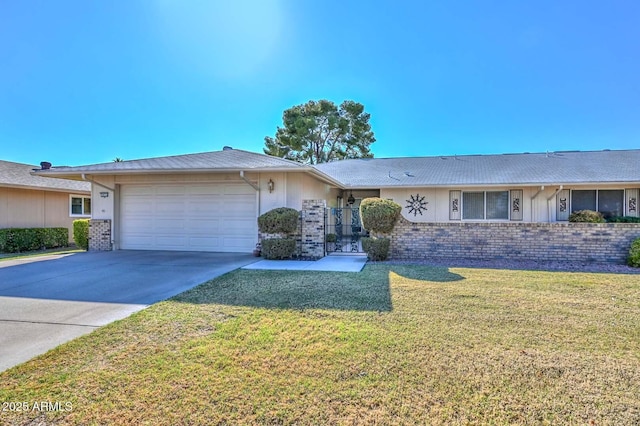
292	188
289	190
103	199
538	203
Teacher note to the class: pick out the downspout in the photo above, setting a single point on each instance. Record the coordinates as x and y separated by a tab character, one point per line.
257	188
85	178
253	185
533	198
551	198
113	229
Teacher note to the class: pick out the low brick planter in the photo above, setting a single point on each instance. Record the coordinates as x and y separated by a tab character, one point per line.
593	242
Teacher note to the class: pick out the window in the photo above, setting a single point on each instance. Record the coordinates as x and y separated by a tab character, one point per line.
609	202
473	205
490	205
80	206
497	205
583	200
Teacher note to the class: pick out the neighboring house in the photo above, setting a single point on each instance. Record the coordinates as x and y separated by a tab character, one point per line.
28	201
541	187
210	201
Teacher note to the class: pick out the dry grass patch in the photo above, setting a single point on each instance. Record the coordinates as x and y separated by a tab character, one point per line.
390	345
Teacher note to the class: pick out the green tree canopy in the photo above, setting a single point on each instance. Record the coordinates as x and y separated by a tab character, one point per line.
320	131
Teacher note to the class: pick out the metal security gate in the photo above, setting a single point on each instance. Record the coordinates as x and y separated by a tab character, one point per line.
343	230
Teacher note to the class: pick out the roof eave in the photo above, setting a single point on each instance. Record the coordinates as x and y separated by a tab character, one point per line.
492	185
77	174
326	178
45	188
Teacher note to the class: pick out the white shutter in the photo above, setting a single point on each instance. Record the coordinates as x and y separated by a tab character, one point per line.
516	204
562	205
454	205
631	203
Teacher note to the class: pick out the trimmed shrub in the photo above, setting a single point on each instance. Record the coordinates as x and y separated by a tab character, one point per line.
586	216
278	248
379	215
282	220
376	248
634	254
55	237
331	238
624	219
81	233
14	240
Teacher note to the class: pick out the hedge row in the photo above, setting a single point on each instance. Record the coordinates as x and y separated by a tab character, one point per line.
623	219
15	240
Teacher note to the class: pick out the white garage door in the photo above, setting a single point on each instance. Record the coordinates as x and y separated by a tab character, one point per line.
190	217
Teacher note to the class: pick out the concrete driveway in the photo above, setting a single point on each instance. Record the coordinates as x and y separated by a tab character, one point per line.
48	300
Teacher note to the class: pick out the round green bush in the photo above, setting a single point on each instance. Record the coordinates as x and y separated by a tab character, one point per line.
586	216
379	215
282	220
278	248
634	254
377	249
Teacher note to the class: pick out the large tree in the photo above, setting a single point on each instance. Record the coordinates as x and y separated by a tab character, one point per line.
320	131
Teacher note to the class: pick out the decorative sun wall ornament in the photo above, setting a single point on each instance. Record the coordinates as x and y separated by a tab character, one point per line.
416	204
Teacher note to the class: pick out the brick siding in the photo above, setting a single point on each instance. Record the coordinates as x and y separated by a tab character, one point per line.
313	228
99	235
593	242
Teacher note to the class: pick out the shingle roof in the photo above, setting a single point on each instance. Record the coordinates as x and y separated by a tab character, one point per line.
230	159
569	167
18	175
505	169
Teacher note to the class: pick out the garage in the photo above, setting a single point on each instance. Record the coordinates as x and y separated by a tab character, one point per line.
188	217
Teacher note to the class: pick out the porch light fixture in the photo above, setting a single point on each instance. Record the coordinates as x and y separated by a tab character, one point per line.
271	185
351	200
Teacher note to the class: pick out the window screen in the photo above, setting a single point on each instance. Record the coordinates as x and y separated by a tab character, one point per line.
473	205
611	203
498	205
583	200
76	205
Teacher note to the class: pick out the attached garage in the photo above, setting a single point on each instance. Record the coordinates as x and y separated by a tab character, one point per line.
188	217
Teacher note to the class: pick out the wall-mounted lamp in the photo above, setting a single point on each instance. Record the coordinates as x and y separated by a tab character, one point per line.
351	200
271	185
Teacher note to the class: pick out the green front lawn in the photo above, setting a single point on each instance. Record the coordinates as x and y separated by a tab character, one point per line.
389	345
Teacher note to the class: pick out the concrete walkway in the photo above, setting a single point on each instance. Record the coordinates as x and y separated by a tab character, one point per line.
327	263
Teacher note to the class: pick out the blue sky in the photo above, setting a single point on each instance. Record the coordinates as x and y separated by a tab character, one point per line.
83	82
